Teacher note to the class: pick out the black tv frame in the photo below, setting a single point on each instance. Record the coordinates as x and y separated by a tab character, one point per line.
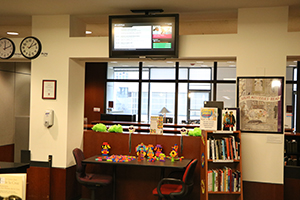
144	53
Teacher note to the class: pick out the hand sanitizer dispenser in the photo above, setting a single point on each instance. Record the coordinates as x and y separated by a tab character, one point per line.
49	118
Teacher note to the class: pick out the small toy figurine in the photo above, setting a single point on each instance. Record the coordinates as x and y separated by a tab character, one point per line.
150	153
158	150
173	155
140	151
105	149
183	131
175	148
131	129
162	157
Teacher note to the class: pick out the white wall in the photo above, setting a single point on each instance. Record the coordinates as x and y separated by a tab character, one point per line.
262	36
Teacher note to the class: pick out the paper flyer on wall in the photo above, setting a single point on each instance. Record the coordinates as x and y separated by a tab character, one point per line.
209	118
13	186
230	119
156	125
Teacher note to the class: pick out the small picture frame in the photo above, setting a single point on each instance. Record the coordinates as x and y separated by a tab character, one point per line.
49	89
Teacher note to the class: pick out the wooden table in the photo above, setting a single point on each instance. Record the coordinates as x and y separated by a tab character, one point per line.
158	164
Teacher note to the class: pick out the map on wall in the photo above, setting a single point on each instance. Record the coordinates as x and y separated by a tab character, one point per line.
260	102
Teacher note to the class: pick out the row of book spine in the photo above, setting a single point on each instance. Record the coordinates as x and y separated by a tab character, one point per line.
226	148
224	180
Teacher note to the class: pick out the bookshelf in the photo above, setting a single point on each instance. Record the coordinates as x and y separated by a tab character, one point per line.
291	149
221	169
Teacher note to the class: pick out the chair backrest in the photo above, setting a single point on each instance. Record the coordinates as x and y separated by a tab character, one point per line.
189	172
79	156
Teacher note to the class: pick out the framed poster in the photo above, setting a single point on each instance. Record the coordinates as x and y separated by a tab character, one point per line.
260	100
49	89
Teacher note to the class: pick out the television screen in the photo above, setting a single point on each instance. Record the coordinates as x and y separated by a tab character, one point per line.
143	36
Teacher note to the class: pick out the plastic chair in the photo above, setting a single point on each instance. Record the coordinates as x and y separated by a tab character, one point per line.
91	181
172	188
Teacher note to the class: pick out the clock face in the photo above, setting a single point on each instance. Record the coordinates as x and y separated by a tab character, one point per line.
31	47
7	48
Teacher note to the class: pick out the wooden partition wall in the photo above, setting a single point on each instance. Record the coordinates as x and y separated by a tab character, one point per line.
134	182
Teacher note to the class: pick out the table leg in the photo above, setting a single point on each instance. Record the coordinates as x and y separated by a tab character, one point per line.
114	182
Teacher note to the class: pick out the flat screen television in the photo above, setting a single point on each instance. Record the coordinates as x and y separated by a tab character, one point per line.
143	36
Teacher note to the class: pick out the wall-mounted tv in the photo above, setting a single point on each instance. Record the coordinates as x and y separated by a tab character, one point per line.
143	36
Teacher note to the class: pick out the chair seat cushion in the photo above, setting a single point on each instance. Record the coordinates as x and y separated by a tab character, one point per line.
166	189
95	179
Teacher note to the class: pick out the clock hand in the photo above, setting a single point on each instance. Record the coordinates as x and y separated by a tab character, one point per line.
32	45
6	47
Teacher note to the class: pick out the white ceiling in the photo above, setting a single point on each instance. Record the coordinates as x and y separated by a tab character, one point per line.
83	7
11	9
15	15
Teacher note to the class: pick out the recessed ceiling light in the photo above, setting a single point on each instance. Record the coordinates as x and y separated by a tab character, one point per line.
170	62
114	62
231	65
12	33
88	32
199	62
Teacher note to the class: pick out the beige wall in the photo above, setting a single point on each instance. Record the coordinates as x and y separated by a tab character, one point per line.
262	36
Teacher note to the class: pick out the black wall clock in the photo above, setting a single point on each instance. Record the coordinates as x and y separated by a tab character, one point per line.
7	48
30	47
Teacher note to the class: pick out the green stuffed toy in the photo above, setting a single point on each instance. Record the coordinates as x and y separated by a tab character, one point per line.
99	128
195	132
115	129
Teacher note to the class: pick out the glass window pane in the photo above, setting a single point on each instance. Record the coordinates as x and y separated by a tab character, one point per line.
145	73
162	95
162	73
183	73
289	73
226	93
145	102
123	70
200	74
182	102
196	103
124	95
226	73
200	86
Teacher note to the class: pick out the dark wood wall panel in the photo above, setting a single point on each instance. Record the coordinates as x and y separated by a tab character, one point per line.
46	183
95	90
135	183
7	153
263	191
291	189
38	179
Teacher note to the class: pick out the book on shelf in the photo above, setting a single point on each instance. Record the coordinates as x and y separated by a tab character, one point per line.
224	180
223	149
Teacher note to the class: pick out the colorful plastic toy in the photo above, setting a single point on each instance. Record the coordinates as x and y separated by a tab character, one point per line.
173	155
105	148
158	150
162	157
141	151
